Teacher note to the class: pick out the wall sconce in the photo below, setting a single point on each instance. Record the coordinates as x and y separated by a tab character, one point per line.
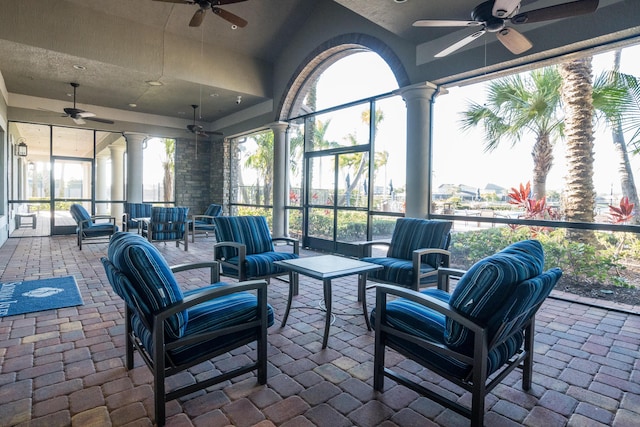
21	148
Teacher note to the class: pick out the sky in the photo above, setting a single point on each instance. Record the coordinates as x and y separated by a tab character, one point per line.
509	167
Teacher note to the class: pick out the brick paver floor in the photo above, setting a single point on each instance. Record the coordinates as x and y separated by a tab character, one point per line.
66	367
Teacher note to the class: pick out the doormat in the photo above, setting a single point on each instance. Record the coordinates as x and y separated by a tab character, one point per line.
38	295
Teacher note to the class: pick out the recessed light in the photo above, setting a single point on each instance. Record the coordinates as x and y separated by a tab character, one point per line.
132	105
79	67
214	94
153	83
400	1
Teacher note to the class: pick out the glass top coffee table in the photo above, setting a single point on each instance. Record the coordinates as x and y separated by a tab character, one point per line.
325	268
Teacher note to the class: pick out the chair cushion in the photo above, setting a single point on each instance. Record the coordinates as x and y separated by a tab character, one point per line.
398	271
98	229
160	217
487	286
251	231
261	265
223	312
415	319
153	285
137	210
119	282
79	214
527	296
414	233
212	210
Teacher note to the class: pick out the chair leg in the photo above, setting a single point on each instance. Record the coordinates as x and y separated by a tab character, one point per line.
378	349
527	368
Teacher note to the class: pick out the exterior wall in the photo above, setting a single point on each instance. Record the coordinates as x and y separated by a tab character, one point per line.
200	179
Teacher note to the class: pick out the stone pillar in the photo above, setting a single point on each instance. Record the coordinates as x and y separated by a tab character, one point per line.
135	143
102	183
418	99
117	179
280	169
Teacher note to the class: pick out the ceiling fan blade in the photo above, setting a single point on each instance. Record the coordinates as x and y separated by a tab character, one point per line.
445	23
505	8
513	40
223	2
78	120
175	1
84	114
99	120
465	41
197	18
565	10
230	17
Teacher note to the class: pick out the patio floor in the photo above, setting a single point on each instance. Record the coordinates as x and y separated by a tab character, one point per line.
66	367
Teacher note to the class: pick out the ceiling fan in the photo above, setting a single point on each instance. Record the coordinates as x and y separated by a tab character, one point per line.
494	15
79	116
204	5
197	129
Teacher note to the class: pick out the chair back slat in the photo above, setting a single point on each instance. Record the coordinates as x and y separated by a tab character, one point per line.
168	223
79	214
414	233
252	231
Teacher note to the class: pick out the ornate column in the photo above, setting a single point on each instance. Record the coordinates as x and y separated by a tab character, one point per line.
102	183
135	144
117	179
418	99
280	169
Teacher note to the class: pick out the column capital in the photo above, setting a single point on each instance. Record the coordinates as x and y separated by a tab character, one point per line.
421	90
278	126
135	136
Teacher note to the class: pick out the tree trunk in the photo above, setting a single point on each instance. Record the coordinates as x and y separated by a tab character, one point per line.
580	198
627	182
542	154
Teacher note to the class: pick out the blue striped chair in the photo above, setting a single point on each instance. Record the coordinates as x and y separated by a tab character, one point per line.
418	248
203	224
245	248
174	330
168	225
132	211
93	229
475	336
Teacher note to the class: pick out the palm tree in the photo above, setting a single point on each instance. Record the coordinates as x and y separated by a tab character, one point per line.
577	100
518	105
613	101
262	161
168	166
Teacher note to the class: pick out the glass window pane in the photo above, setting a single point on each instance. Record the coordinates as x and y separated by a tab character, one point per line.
342	128
69	142
159	175
321	186
352	226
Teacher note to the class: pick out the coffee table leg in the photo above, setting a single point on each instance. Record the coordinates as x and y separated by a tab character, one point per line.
327	302
289	300
364	300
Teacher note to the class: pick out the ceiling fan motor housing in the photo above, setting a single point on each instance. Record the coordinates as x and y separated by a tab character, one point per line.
484	13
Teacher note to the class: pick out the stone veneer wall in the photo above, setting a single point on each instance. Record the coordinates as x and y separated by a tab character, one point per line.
202	178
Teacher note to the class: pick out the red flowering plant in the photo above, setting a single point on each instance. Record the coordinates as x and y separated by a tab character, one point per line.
622	213
533	208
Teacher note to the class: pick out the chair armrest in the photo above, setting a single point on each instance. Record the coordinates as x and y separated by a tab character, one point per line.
434	304
290	241
417	256
110	219
240	248
213	265
365	247
207	217
208	294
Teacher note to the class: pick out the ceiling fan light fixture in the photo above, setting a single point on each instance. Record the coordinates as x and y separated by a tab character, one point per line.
79	67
